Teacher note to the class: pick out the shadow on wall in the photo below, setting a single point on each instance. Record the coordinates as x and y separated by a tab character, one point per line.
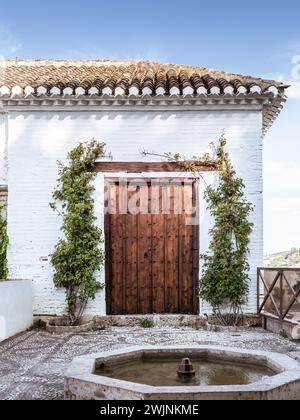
96	115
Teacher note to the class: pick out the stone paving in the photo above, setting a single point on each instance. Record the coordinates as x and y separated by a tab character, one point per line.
32	365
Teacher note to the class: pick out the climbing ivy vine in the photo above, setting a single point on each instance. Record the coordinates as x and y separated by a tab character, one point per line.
225	277
3	246
225	270
78	256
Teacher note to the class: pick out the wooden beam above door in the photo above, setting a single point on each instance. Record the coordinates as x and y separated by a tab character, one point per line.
139	167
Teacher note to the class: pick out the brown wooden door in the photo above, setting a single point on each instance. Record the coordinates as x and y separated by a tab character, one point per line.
152	248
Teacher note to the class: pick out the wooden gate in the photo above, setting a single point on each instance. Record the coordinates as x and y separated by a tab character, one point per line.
152	246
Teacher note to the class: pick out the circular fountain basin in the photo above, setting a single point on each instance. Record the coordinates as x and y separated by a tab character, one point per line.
150	373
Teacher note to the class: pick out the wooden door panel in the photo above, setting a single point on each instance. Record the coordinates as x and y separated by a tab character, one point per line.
115	255
153	253
158	263
172	257
131	264
186	236
144	224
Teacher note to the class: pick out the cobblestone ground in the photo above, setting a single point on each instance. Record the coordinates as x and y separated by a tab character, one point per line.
32	365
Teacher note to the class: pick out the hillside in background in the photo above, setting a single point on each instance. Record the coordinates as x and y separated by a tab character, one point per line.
284	259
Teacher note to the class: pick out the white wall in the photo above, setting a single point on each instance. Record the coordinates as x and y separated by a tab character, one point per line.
3	149
16	313
37	140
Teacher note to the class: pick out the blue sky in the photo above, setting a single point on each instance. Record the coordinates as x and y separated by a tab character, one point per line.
259	38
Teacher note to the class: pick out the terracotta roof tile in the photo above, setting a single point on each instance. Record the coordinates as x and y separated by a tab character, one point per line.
38	73
130	74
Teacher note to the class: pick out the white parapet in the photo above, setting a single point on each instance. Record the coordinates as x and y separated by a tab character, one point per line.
16	307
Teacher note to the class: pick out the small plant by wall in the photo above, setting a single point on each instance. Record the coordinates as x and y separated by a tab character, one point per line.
78	256
146	323
3	246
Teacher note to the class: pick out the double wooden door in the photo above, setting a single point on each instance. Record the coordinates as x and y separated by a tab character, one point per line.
152	246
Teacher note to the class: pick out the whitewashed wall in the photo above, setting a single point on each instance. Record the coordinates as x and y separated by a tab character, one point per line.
3	149
37	140
15	307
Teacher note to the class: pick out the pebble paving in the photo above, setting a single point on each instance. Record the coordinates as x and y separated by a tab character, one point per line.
32	365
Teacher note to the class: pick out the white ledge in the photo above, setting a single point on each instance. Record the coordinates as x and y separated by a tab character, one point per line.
229	90
255	89
29	90
79	91
93	91
242	90
160	91
146	91
202	90
215	90
133	91
68	91
188	90
107	91
17	91
119	91
4	90
41	91
174	91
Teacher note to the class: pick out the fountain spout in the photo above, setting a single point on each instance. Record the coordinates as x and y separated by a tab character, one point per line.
186	368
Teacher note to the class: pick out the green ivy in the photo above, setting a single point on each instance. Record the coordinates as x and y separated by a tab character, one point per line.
225	280
78	256
225	276
3	246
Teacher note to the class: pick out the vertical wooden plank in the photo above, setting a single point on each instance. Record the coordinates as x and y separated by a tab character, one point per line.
172	256
131	278
158	253
187	244
145	252
117	277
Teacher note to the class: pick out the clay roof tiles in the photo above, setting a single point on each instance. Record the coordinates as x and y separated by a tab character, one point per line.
40	73
133	74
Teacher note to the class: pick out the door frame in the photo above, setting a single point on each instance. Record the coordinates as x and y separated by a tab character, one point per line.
107	230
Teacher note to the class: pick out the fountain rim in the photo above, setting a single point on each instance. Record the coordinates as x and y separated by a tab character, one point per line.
82	369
